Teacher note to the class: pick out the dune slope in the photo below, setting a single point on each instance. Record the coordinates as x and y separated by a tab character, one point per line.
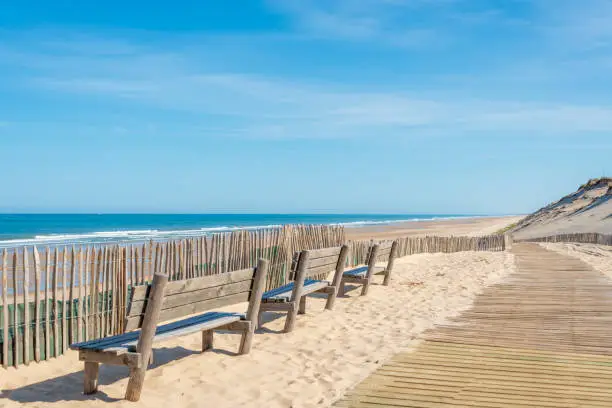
589	209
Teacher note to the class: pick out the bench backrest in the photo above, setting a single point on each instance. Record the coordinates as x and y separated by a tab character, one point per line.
185	297
318	263
383	251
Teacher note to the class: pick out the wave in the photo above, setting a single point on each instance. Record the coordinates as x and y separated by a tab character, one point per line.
122	236
416	219
148	234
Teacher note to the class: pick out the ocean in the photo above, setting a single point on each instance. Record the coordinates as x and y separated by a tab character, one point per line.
62	229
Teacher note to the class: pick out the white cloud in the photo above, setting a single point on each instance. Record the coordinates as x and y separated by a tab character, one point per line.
178	78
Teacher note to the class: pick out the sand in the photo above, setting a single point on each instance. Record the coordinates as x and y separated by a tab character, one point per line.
589	209
462	226
328	353
598	256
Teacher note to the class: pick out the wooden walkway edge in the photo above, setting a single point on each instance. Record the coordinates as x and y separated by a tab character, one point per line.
541	338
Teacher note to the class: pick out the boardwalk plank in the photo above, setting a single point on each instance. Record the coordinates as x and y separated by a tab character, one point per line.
541	338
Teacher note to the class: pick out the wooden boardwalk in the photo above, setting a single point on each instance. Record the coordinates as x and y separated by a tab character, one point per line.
539	339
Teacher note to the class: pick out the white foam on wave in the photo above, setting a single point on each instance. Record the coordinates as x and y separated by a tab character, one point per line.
121	235
416	219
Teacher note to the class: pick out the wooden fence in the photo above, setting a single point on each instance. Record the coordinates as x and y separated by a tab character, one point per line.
584	238
431	244
53	297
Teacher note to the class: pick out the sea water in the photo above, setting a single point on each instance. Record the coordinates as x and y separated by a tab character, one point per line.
54	229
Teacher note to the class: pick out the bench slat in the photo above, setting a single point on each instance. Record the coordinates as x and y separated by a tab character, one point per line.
383	252
181	327
189	285
194	328
203	306
325	252
320	270
362	271
283	294
327	260
180	299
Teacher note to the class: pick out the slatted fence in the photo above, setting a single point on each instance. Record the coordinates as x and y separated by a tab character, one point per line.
583	238
431	244
54	296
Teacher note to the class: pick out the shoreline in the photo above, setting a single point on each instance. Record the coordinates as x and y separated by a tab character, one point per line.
470	226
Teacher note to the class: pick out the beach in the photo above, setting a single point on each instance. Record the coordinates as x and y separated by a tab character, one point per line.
469	226
326	354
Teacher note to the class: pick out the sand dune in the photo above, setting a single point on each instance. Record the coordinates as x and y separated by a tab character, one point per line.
328	352
589	209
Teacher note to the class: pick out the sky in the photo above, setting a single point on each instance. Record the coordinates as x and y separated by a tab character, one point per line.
382	106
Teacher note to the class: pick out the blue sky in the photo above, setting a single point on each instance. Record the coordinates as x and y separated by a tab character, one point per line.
435	106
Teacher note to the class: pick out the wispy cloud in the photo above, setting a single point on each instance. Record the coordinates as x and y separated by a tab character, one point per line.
404	23
266	107
177	75
365	20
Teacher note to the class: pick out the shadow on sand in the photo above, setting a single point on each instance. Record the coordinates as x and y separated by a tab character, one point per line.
69	387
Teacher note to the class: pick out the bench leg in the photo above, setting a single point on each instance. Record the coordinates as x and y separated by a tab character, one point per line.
387	278
246	341
92	369
331	298
151	360
135	383
342	289
259	321
207	340
291	316
364	288
302	309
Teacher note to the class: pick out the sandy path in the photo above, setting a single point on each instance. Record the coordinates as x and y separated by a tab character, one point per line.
327	354
598	256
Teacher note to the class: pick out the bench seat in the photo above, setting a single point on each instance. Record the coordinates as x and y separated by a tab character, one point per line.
361	271
124	343
283	294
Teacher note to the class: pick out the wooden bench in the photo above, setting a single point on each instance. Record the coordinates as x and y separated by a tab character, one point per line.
162	301
363	275
307	266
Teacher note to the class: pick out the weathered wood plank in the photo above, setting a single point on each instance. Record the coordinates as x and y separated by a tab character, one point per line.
133	360
190	285
81	301
26	307
64	301
323	253
184	331
185	298
87	298
330	261
73	277
56	313
5	310
16	331
320	270
137	375
193	308
37	341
